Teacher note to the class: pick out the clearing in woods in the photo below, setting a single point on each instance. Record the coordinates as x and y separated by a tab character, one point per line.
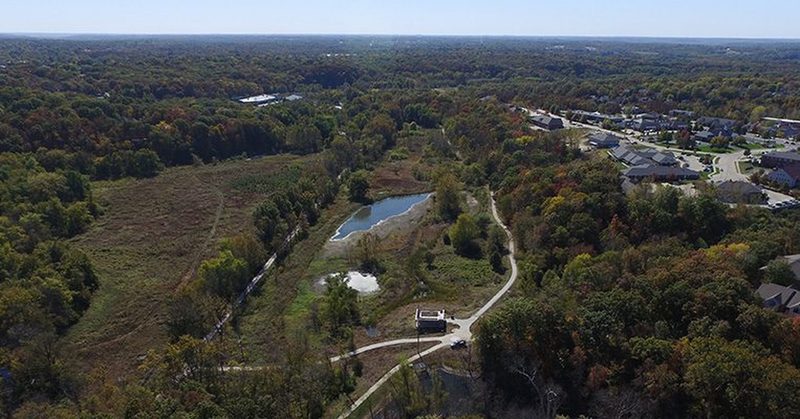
151	239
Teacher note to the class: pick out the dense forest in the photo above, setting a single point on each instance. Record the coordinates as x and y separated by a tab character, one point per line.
637	305
629	305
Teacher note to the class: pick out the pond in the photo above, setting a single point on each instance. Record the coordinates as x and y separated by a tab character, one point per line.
363	283
369	216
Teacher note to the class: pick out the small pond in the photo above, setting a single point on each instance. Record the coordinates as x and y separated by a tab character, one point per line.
369	216
363	283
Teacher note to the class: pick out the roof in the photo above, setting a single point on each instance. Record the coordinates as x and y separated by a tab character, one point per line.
709	121
643	157
660	172
664	159
258	99
788	121
423	314
604	139
736	191
630	157
785	296
783	155
545	119
597	115
648	116
739	186
705	134
645	123
793	170
780	175
794	262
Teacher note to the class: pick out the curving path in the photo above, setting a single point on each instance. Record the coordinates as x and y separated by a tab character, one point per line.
462	332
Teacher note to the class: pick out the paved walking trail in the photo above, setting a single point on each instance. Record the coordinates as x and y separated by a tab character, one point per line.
462	332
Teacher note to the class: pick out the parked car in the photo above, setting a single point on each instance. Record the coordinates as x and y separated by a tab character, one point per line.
457	343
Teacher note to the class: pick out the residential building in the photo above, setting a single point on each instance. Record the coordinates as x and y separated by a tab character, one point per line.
598	118
629	156
430	321
704	136
788	175
680	113
794	263
740	192
676	124
649	116
664	158
259	99
599	140
643	157
780	298
547	122
716	124
660	174
778	159
644	125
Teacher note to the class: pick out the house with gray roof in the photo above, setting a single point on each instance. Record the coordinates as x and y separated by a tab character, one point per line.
716	124
704	136
794	263
740	192
780	298
643	156
680	113
664	159
788	176
629	156
660	174
778	159
645	125
547	122
604	140
596	117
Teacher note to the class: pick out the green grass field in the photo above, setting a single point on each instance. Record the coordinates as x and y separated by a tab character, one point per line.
745	167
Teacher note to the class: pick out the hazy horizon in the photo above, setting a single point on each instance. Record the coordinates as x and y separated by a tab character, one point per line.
60	35
699	19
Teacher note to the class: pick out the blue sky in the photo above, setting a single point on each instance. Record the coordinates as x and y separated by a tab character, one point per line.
670	18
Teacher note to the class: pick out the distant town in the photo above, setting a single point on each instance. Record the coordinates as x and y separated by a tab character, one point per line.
752	163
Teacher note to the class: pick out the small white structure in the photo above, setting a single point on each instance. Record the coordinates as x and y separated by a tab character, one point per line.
430	321
258	99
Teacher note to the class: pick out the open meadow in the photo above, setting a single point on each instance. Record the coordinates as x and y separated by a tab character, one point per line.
153	236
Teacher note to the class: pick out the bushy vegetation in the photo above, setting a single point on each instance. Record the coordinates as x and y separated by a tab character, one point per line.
637	305
45	284
642	303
